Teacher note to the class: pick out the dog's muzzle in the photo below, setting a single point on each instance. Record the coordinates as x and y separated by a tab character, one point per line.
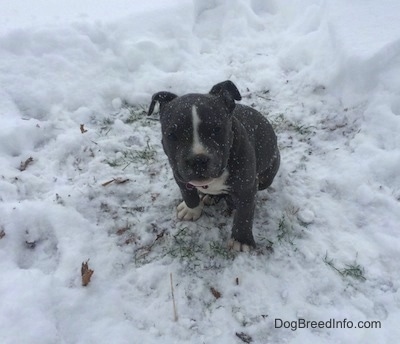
199	164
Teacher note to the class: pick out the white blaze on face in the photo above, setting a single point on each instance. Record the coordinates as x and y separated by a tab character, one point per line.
197	147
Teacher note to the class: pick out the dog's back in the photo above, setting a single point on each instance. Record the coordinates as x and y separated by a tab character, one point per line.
260	134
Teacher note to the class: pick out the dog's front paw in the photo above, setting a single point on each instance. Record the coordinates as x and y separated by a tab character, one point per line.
237	246
189	214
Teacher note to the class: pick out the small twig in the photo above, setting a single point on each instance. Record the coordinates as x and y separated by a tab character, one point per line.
121	180
116	181
173	298
265	98
147	248
126	166
107	183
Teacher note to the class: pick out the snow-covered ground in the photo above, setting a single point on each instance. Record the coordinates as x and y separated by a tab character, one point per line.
326	74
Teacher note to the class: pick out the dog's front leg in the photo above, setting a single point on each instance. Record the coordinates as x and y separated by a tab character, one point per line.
191	207
242	236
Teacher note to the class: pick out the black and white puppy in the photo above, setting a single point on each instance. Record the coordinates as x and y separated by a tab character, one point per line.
218	147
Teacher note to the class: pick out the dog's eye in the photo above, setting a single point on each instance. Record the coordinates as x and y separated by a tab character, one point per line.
216	130
172	136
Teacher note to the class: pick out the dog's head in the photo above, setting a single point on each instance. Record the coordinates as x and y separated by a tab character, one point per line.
197	131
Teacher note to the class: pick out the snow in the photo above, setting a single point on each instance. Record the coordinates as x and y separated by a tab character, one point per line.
325	73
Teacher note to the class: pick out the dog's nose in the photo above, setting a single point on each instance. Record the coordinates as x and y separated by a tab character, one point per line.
199	162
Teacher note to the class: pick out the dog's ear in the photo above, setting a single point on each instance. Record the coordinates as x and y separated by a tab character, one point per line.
228	91
227	86
162	98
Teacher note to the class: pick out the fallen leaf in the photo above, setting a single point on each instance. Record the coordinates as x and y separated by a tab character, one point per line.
24	165
215	292
82	127
121	231
244	337
86	273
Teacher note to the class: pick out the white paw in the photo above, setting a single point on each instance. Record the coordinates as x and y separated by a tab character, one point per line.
237	246
189	214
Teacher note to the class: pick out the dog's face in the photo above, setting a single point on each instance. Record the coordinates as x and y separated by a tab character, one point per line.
197	131
197	137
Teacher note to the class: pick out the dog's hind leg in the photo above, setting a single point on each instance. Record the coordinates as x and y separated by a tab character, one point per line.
266	177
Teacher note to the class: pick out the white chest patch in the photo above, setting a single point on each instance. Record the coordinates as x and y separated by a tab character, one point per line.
197	147
216	186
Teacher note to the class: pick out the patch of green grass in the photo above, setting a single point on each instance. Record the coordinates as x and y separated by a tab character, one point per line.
283	124
185	246
135	113
107	122
285	230
146	155
219	250
353	270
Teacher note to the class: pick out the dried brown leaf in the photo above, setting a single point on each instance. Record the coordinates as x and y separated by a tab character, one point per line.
244	337
122	230
86	273
215	292
24	165
82	128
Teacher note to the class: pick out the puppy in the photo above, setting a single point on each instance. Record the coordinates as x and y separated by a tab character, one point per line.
217	147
